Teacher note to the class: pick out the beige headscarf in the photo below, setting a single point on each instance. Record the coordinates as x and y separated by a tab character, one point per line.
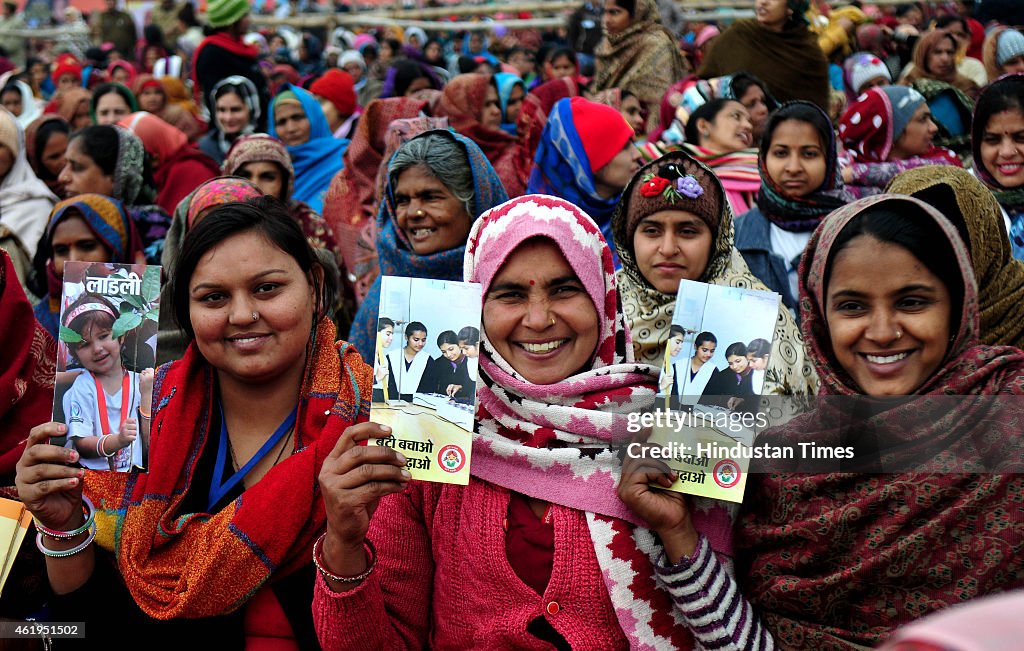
966	202
649	312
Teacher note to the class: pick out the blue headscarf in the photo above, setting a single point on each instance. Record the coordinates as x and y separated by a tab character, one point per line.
317	160
397	257
506	81
491	59
561	169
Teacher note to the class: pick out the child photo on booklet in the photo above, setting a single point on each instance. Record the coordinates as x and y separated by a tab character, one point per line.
105	363
428	334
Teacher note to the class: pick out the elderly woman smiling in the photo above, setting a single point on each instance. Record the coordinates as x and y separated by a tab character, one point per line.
438	184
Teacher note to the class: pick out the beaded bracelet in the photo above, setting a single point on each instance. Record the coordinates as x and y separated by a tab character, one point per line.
66	552
90	517
318	561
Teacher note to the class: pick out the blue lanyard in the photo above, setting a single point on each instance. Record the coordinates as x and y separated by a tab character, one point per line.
217	489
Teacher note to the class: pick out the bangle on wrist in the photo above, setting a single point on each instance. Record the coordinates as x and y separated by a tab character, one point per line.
319	562
143	414
101	449
90	518
51	553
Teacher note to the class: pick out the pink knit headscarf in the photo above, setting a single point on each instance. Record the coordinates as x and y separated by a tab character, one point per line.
555	442
493	238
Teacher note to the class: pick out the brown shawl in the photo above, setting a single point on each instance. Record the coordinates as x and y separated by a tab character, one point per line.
839	560
643	58
789	62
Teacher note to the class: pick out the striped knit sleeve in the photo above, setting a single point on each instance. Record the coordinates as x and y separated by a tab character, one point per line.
709	599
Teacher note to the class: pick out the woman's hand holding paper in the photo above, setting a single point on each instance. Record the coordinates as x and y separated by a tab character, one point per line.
664	511
353	479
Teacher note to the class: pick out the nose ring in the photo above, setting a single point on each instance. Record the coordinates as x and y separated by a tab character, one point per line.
552	322
419	213
899	333
255	316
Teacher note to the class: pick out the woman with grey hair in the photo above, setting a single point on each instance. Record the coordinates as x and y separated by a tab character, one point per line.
438	184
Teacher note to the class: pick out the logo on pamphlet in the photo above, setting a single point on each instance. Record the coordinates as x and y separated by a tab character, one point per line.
727	473
451	458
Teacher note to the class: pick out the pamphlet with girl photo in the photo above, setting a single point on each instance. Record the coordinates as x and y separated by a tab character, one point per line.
425	373
105	362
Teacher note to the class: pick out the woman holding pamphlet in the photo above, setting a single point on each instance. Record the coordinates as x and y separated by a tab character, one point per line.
674	223
220	533
438	184
889	309
538	548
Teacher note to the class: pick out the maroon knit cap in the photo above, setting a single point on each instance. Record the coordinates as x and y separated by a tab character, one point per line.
674	182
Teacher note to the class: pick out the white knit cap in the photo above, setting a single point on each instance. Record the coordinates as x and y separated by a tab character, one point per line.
1010	45
863	68
351	56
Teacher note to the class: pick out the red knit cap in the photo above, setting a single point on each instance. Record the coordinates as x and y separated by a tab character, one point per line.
602	129
67	64
338	87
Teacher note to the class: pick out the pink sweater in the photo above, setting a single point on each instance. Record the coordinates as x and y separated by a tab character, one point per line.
443	581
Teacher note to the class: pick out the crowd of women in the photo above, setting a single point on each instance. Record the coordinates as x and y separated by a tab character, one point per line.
865	165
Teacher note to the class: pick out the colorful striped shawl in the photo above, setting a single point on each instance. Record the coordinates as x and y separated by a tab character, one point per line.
201	565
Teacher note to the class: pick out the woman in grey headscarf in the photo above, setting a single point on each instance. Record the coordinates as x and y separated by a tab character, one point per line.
236	105
110	160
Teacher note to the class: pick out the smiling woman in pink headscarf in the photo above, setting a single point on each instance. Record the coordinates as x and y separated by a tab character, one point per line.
559	557
178	166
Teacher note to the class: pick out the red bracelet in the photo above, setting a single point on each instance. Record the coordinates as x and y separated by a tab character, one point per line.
319	562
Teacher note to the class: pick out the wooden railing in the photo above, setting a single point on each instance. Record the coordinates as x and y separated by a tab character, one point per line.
554	13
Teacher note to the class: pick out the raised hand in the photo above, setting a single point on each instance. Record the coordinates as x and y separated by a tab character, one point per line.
353	479
664	511
49	487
